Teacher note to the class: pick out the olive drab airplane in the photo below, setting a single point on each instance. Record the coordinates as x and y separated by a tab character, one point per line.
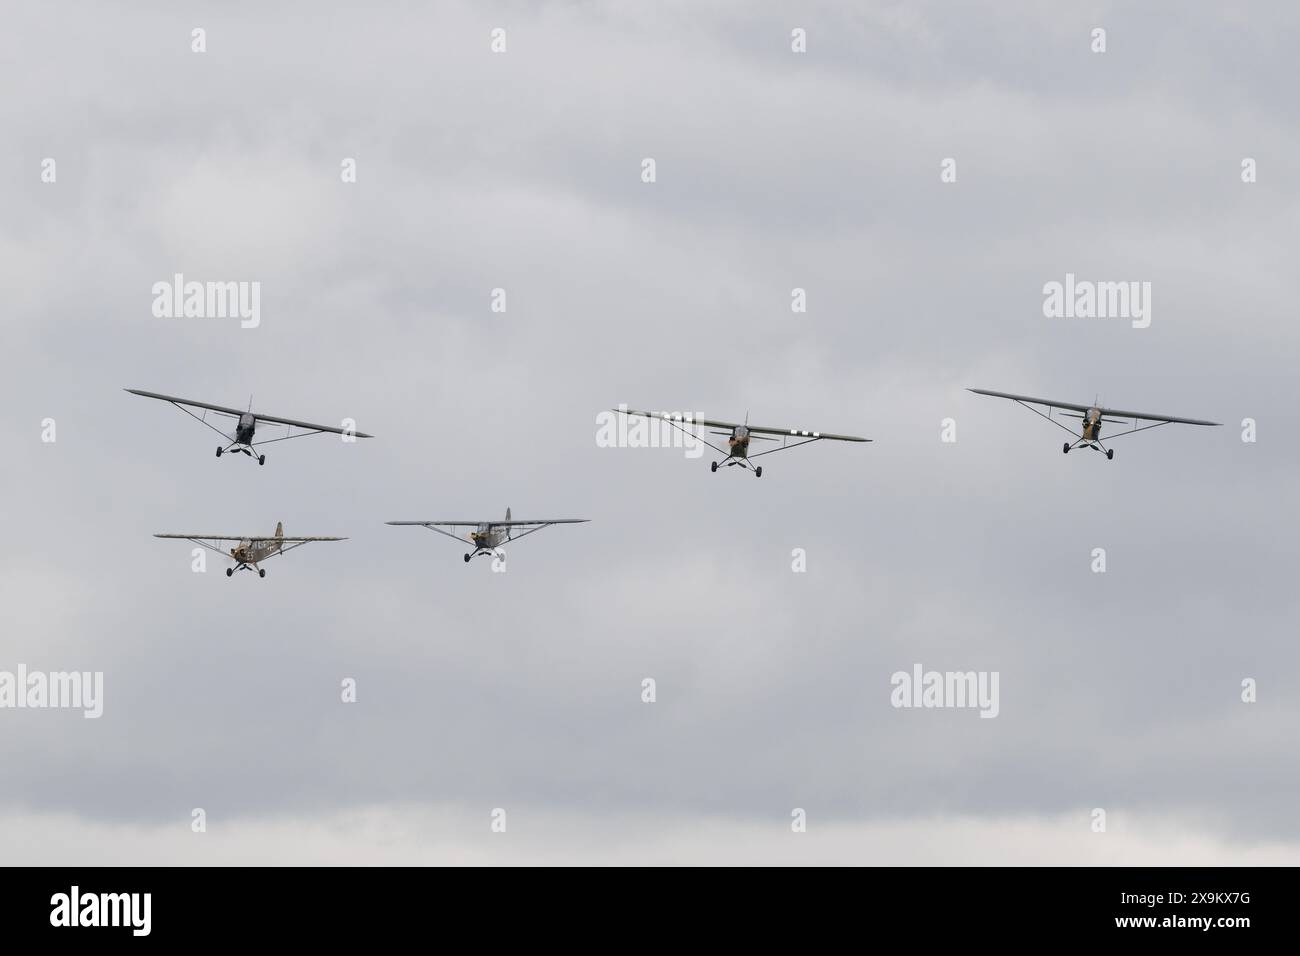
488	536
249	551
246	423
740	435
1091	418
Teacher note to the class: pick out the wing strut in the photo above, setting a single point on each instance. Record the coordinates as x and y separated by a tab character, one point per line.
773	451
690	435
272	441
1132	430
1053	420
454	537
202	421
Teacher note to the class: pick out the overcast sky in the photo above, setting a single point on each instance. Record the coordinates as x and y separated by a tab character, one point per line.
775	170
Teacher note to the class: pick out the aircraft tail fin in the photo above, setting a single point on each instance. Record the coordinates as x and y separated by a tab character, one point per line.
279	529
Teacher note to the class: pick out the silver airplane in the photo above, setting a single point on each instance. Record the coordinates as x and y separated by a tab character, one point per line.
248	551
1091	418
740	435
246	424
488	536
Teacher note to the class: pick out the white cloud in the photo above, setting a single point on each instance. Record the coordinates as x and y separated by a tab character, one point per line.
446	835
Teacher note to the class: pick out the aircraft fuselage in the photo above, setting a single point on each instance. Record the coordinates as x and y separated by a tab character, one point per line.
738	450
1092	424
486	537
738	443
253	550
245	429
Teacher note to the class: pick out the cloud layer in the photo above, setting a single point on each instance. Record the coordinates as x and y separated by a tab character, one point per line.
775	171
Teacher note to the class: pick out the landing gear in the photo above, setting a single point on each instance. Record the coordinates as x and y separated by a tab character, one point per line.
261	572
219	451
467	557
742	462
1066	448
261	460
230	572
1110	453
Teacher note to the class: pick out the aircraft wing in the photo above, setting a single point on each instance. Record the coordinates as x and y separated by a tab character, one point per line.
678	418
517	523
494	524
528	526
756	429
1145	416
235	412
309	425
1032	401
187	401
245	537
801	433
447	524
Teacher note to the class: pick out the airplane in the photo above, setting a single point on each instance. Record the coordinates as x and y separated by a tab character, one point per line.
740	435
487	536
1092	417
249	551
246	426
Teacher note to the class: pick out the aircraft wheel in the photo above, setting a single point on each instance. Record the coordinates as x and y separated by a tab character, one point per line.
713	466
467	559
229	571
758	472
1066	448
261	572
261	460
219	451
1110	453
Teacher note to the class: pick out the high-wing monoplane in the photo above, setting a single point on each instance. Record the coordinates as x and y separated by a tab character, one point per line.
1091	418
739	435
246	423
249	550
488	536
